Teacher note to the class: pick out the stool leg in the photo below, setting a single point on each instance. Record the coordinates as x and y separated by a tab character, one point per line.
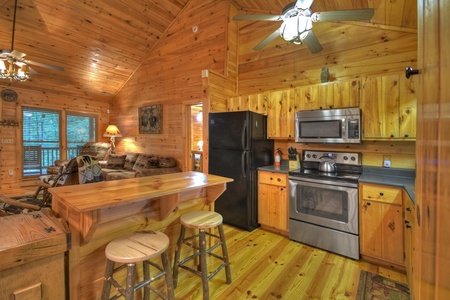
146	268
168	275
225	254
203	266
177	256
107	283
129	290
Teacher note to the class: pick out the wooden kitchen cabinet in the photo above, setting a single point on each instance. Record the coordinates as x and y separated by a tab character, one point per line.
410	224
273	204
388	105
282	105
381	224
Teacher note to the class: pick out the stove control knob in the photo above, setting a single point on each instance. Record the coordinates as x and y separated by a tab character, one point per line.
314	156
308	155
353	158
345	158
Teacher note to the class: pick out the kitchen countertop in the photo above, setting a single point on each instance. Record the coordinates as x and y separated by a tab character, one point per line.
283	168
404	178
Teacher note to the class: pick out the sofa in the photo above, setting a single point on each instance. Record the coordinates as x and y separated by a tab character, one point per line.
98	150
131	165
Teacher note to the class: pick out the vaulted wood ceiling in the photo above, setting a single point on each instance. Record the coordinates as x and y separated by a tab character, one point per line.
101	43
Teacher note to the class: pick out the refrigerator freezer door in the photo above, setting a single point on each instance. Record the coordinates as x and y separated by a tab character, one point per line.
235	130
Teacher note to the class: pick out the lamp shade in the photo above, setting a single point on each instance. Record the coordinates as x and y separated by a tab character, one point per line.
112	131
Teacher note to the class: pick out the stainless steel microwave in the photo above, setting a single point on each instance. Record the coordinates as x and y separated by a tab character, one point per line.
328	126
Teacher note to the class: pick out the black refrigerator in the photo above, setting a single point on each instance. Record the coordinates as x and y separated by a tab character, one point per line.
238	145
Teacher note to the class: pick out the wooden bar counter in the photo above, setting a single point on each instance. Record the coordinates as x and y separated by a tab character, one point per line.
100	212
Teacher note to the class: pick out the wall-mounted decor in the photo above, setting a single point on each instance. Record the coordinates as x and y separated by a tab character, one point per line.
150	119
9	95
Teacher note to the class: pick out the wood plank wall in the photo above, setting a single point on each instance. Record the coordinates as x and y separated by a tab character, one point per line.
172	75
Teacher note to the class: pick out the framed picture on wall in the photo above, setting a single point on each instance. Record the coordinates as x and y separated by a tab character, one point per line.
150	119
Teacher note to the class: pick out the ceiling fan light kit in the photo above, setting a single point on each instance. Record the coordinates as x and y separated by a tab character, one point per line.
297	23
13	66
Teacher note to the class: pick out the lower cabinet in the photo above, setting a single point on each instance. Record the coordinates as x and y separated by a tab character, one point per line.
273	204
381	224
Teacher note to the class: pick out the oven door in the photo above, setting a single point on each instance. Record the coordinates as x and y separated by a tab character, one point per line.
324	203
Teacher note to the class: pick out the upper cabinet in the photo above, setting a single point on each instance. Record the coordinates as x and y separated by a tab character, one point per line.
388	106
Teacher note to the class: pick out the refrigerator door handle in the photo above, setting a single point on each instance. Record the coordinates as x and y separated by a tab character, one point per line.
244	153
244	130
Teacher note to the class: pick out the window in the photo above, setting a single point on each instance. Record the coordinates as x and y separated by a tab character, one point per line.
42	142
80	129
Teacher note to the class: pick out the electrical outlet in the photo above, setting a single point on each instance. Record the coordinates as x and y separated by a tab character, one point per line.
386	161
11	172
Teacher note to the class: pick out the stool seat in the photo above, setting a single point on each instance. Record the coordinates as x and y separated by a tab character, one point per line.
201	219
137	246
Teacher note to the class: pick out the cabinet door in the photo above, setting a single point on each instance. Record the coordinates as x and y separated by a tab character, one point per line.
379	105
381	231
280	123
408	107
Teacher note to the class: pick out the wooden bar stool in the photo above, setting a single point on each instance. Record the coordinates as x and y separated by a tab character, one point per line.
140	246
201	220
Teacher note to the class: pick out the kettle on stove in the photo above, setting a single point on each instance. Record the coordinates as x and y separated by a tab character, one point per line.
327	164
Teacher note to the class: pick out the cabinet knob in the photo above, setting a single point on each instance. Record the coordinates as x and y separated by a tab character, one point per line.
392	135
368	203
410	71
408	226
406	222
279	179
271	178
406	135
408	209
381	194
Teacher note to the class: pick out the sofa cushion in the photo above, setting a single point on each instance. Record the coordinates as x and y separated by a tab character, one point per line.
167	162
130	160
97	150
146	161
116	161
116	175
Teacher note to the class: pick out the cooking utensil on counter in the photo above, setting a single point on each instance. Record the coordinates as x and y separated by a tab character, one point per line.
327	164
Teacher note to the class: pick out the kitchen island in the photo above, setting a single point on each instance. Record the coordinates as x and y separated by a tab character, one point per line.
100	212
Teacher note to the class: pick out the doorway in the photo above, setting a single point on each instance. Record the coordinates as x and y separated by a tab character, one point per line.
196	138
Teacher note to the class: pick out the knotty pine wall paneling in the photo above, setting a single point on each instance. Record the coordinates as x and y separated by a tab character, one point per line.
172	75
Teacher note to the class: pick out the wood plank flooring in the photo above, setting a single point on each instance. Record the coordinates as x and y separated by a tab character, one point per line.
265	265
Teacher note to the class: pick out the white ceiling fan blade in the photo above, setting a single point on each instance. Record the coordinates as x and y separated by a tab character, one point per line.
267	40
312	43
257	18
304	4
44	65
343	15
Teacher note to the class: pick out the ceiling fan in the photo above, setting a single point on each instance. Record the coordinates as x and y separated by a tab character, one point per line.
297	21
18	68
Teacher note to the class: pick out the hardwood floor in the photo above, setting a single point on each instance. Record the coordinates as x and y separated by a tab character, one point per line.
265	265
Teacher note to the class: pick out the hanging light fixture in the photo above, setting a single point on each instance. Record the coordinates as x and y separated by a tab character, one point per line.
10	67
296	25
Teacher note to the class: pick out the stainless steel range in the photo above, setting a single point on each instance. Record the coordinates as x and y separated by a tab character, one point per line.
323	201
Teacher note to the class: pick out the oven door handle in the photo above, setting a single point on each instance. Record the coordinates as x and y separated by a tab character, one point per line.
321	182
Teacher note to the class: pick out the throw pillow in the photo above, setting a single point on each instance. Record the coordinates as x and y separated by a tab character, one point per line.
97	150
167	162
89	169
116	161
146	161
130	160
